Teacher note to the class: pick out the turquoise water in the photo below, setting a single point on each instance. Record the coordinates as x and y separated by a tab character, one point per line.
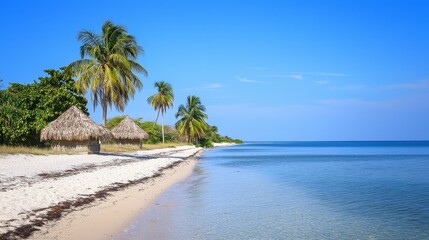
297	190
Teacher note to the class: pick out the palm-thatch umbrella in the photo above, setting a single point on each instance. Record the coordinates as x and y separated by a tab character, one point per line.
128	132
75	130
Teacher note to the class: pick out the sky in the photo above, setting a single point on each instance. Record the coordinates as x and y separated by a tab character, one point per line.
265	70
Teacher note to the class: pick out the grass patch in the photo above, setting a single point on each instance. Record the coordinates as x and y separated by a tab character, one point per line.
118	148
164	145
32	150
112	148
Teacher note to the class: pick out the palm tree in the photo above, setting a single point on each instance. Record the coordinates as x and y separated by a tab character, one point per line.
161	101
192	119
110	71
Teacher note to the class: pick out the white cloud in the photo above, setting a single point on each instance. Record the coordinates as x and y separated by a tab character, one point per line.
215	85
326	74
322	74
295	76
301	75
248	80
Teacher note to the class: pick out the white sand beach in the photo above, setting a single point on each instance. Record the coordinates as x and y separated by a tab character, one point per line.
223	144
36	191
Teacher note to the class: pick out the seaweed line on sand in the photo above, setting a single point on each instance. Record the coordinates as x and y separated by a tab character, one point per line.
7	184
57	211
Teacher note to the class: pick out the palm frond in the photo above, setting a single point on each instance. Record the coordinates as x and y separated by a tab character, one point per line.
110	72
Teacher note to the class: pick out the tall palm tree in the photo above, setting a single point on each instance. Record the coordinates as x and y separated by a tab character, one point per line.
161	101
110	69
192	119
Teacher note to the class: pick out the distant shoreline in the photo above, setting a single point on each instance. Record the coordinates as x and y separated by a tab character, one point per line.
223	144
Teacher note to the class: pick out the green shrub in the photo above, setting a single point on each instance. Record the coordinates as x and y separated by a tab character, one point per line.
204	143
25	109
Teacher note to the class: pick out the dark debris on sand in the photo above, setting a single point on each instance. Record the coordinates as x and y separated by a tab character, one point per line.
55	212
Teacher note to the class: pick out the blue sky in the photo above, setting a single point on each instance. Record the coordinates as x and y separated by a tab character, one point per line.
265	70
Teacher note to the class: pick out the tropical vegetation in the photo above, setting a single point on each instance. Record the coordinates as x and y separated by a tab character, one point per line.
162	100
172	136
192	118
154	130
110	70
25	109
212	136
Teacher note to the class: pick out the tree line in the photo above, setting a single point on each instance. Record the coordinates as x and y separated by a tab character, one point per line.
108	70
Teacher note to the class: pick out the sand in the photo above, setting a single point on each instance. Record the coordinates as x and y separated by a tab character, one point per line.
106	219
32	188
223	144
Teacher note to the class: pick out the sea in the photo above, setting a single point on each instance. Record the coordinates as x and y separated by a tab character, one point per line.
297	190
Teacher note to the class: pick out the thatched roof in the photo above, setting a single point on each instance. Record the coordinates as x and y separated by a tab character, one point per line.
74	125
128	129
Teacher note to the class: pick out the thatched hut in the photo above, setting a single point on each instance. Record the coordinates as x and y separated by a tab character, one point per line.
128	132
74	130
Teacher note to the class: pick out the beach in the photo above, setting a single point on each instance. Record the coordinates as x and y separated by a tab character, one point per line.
84	196
208	120
258	190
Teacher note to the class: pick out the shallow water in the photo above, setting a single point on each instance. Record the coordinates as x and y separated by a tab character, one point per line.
297	190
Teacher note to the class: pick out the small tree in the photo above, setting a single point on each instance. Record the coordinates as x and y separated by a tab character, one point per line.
192	119
161	101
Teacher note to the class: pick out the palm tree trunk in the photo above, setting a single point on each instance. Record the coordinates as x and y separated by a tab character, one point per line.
103	103
156	120
104	111
104	107
162	127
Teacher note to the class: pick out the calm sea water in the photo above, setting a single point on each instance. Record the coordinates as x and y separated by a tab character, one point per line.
297	190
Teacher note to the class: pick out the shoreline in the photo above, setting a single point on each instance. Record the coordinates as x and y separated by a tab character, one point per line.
40	193
45	195
110	216
223	144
